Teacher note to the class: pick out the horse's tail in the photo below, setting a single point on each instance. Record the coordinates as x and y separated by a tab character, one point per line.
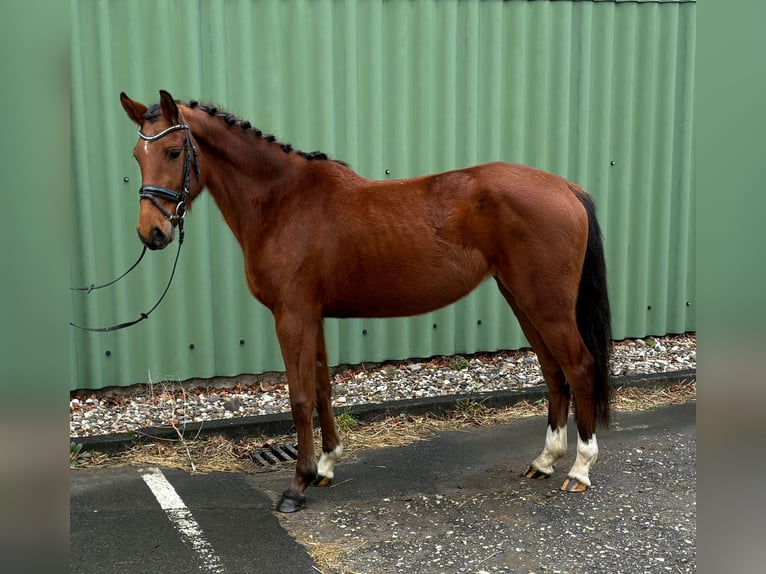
594	318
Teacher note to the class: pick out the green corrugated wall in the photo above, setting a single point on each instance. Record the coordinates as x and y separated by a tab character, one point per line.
600	92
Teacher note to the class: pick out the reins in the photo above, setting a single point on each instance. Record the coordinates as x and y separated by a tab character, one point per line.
152	192
93	287
145	314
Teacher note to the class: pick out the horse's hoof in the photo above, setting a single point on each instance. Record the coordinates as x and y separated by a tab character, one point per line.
535	474
573	485
322	481
289	504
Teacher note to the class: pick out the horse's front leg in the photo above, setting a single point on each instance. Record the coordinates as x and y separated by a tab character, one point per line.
332	447
297	334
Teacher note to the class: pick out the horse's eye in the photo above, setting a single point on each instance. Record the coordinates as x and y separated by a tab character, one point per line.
174	154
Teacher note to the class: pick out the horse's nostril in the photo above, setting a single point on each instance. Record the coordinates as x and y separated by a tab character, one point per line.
157	237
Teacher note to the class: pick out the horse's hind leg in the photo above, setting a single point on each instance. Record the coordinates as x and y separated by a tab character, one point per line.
565	342
558	395
565	346
332	447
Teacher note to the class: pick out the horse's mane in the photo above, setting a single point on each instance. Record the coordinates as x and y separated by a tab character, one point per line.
154	112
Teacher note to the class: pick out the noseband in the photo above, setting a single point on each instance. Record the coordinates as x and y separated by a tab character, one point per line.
152	192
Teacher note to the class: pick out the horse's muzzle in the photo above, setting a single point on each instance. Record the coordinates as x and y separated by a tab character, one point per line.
157	239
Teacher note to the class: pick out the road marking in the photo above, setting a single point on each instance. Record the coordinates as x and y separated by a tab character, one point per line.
181	518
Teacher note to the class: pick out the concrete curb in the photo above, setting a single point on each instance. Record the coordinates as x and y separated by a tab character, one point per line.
282	423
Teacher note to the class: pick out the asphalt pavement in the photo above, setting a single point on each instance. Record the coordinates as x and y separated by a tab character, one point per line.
453	503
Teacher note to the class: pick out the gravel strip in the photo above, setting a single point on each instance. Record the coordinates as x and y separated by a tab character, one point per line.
171	403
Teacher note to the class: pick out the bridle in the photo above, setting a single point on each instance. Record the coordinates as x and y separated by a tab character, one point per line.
152	192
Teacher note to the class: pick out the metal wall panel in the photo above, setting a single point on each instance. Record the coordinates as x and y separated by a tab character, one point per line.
598	92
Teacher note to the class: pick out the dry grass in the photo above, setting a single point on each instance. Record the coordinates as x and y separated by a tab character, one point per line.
218	453
634	399
329	555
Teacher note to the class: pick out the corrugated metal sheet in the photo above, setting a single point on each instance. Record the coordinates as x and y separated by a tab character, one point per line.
599	92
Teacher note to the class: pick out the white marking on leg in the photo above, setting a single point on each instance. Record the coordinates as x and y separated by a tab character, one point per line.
327	461
555	448
587	453
181	518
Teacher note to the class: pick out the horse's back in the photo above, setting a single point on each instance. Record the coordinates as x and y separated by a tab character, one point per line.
409	246
499	207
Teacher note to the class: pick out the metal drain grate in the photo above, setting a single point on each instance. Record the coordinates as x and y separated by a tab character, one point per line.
275	454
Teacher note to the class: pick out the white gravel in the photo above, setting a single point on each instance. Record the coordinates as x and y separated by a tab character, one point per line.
173	403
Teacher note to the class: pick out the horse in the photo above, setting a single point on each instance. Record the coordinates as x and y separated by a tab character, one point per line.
319	240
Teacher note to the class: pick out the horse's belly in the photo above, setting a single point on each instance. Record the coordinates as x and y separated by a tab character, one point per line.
399	291
391	305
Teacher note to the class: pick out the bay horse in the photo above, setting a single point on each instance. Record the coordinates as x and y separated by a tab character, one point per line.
321	241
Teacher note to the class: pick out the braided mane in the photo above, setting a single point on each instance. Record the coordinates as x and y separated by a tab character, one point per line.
154	112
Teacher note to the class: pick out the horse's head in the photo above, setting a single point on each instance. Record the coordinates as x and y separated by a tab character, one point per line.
168	160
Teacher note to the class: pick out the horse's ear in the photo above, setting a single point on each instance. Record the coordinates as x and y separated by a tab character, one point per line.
169	107
135	110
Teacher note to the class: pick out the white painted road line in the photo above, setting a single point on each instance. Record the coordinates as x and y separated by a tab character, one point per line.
181	518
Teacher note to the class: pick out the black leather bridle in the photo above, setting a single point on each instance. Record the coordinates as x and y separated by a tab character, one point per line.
152	192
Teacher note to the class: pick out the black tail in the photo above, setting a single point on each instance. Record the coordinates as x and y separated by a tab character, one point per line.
594	318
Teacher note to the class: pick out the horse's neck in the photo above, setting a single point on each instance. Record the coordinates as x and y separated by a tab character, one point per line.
242	173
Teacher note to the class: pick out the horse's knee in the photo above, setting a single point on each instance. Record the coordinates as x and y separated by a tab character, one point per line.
302	409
